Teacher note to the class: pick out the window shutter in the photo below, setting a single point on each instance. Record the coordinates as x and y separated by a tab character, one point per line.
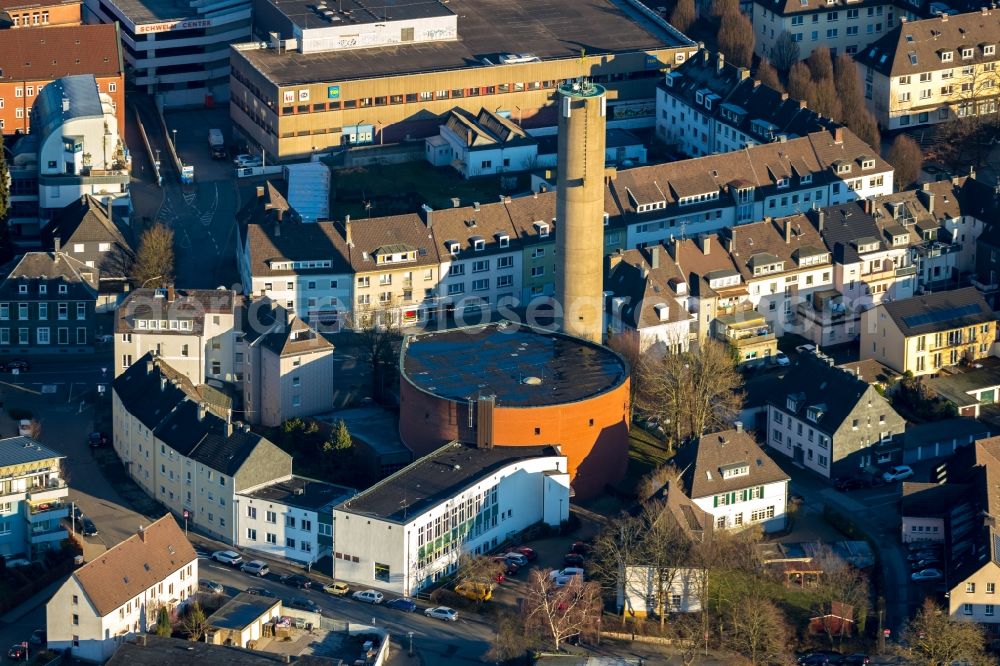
715	501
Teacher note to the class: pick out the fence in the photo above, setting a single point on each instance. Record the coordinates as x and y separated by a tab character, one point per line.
149	149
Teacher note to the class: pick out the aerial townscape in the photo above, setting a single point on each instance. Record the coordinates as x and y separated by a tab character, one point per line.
431	332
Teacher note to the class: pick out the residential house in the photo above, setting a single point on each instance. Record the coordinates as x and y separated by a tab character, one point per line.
410	529
924	507
49	298
481	258
194	330
841	27
647	303
925	333
483	144
119	594
968	391
289	374
706	105
706	194
639	595
397	268
69	51
27	13
303	267
178	442
80	149
534	220
240	622
933	70
729	477
32	498
290	519
827	419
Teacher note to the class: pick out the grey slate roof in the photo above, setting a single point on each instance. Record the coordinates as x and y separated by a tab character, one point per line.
701	464
52	269
240	611
22	450
939	311
296	338
302	492
86	221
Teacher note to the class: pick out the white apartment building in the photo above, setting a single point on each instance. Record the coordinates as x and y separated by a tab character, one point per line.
119	594
481	257
32	498
934	70
843	26
729	477
706	106
290	519
80	150
180	445
192	329
778	179
411	528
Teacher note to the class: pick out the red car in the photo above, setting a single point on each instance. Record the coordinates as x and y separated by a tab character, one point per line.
499	577
527	552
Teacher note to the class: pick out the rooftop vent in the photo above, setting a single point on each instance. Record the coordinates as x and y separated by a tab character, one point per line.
532	381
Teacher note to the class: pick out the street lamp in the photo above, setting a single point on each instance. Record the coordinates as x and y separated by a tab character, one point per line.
409	635
175	140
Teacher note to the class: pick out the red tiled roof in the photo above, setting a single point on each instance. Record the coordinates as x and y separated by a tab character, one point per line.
45	54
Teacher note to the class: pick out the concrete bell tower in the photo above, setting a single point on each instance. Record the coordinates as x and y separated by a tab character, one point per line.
580	209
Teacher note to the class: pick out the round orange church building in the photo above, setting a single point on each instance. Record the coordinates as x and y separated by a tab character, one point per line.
505	384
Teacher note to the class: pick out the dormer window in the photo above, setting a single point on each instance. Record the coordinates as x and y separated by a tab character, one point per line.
699	97
42	289
453	247
966	53
504	240
543	229
734	470
989	49
806	179
946	56
62	289
815	412
844	168
22	289
782	182
868	163
478	244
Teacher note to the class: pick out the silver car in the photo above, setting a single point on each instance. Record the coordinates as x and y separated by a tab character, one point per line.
255	568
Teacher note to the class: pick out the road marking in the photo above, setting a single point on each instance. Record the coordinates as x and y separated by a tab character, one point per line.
19	387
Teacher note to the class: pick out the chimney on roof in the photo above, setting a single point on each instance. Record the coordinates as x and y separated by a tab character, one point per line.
868	206
738	425
229	428
171	294
614	259
705	55
475	206
720	63
201	411
788	231
838	135
347	231
802	104
163	382
705	243
944	17
150	365
142	534
654	259
57	244
784	96
744	73
926	198
108	203
425	213
260	191
756	83
672	245
820	220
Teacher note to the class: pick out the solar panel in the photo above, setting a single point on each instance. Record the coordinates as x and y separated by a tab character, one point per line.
936	316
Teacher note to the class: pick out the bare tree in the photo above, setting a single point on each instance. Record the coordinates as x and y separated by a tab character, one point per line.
154	264
800	82
651	484
768	75
736	38
696	391
664	549
479	569
934	638
615	549
758	630
906	158
195	622
866	127
558	613
785	52
684	15
628	349
825	100
720	8
820	64
511	640
841	583
378	329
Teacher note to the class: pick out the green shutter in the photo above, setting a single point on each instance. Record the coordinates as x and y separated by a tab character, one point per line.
715	501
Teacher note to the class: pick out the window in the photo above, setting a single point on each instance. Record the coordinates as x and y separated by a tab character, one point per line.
970	588
991	588
251	534
289	521
306	525
480	285
251	512
216	368
62	312
382	572
76	619
289	542
480	265
271	538
81	310
967	609
43	336
22	310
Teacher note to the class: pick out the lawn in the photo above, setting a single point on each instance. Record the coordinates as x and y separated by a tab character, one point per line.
393	189
645	453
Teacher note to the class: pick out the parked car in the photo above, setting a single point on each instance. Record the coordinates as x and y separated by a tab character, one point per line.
925	564
337	588
19	365
297	581
368	596
210	586
260	592
580	547
245	160
927	575
850	483
509	568
39	637
478	592
782	359
922	555
97	440
564	576
442	613
857	659
814	659
89	528
404	604
527	552
230	557
517	558
255	568
17	652
303	604
573	559
897	473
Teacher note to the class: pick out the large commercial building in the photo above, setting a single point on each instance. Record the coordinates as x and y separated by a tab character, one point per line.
27	13
327	76
70	50
526	388
178	51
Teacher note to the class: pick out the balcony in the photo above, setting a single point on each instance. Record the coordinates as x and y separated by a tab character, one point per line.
46	532
745	337
40	510
89	177
55	489
906	271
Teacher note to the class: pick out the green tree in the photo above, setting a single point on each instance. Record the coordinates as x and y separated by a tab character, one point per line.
163	626
342	437
338	451
154	264
195	623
